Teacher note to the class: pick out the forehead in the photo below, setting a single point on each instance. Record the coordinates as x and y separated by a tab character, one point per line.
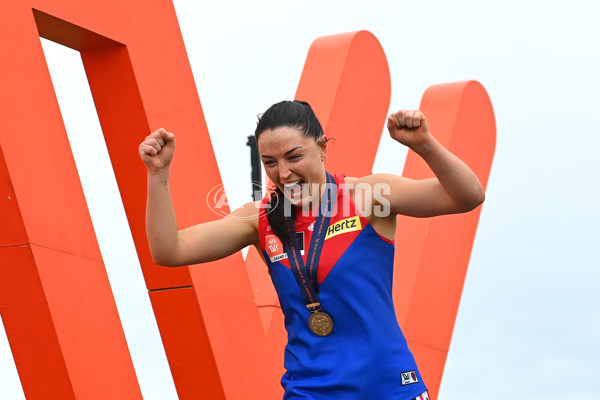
281	140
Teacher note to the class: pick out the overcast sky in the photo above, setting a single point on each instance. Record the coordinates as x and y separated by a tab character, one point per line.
529	320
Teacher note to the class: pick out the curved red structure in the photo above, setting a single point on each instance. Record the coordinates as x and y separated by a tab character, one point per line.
219	322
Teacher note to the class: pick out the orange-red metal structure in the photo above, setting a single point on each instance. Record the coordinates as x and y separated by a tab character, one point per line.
220	324
432	254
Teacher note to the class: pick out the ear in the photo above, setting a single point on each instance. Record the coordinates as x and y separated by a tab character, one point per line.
323	147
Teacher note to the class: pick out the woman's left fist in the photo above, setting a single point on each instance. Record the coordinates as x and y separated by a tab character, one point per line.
408	127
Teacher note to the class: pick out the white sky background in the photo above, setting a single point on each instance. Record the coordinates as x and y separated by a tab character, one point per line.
529	318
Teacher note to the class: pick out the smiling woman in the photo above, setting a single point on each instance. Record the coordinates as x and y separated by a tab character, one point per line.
330	260
293	149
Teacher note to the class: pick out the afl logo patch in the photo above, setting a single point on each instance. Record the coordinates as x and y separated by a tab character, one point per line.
274	248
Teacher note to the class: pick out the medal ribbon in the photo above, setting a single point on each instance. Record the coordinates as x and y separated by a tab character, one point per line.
306	275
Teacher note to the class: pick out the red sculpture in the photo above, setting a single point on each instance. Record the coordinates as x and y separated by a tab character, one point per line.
219	323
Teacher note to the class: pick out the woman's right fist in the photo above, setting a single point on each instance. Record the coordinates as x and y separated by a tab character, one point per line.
157	150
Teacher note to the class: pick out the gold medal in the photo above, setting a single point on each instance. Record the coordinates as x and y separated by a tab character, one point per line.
320	323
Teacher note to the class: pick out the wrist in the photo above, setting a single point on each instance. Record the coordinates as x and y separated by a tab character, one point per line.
159	176
425	147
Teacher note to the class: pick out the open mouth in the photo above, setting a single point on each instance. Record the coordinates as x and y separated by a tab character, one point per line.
293	190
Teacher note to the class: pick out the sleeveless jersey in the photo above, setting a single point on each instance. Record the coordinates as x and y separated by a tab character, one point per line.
366	356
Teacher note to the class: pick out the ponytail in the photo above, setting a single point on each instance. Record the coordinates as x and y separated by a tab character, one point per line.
276	215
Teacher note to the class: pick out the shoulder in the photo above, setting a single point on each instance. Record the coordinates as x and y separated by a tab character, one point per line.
371	179
247	214
250	209
380	178
374	183
370	196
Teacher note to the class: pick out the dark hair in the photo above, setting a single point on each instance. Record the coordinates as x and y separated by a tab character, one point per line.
293	114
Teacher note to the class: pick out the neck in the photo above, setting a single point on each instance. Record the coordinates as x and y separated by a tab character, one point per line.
315	202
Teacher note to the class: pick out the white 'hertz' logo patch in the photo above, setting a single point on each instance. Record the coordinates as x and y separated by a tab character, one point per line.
344	226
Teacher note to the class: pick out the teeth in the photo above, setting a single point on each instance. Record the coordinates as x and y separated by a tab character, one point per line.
293	189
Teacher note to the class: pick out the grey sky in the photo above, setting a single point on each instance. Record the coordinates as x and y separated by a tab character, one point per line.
530	315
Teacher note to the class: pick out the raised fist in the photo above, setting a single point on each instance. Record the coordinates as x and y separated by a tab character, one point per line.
409	127
157	150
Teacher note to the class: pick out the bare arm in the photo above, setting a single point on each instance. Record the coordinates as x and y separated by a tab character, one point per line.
200	243
455	188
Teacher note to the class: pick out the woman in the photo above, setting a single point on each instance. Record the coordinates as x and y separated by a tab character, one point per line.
328	243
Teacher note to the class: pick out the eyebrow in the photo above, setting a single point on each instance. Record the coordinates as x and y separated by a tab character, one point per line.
286	153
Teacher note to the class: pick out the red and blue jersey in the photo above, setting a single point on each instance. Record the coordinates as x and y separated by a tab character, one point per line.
366	355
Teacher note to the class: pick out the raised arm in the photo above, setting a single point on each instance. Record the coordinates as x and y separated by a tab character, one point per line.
200	243
455	188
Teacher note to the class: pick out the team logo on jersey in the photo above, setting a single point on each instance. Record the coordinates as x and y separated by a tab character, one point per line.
344	226
275	249
409	377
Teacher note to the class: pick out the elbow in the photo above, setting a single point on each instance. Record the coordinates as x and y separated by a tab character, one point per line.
468	201
163	261
476	198
480	197
479	200
164	252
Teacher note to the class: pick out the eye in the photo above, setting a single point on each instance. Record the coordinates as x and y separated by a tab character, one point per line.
295	157
269	163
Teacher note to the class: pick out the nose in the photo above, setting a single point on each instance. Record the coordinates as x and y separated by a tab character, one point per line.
284	171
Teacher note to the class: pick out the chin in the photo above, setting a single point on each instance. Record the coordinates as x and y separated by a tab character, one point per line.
296	201
306	198
302	201
308	204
